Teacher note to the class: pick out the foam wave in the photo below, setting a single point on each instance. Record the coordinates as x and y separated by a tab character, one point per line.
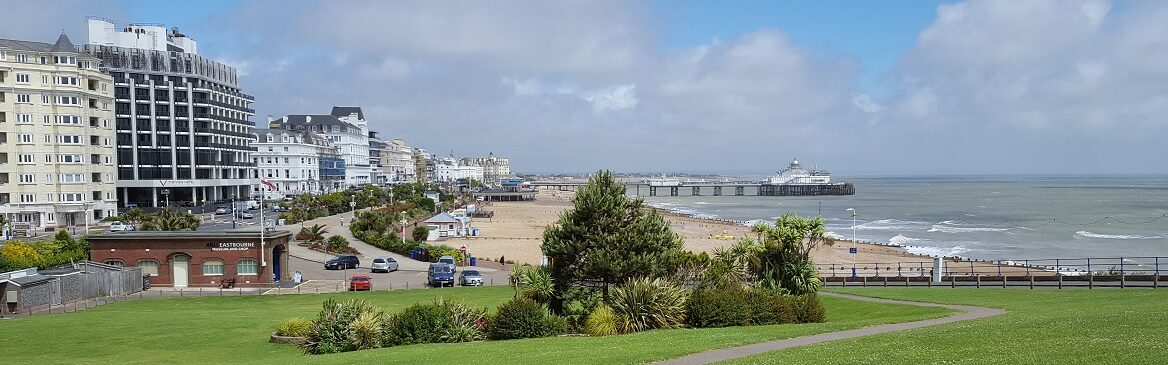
892	225
937	251
1086	234
951	227
834	236
902	240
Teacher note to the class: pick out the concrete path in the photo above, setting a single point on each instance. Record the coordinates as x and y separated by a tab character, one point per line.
713	356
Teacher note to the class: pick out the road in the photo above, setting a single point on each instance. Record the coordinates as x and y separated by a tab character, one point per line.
401	279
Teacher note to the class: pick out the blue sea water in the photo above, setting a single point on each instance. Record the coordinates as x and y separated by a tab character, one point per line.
986	217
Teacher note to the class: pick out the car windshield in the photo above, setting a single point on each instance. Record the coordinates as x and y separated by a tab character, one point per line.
360	278
338	258
441	269
378	261
470	273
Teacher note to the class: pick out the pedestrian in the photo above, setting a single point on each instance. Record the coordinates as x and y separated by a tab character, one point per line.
342	219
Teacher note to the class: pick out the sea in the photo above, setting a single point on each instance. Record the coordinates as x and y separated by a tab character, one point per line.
983	217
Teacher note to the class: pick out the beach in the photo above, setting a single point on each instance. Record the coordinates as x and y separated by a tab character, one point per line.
516	232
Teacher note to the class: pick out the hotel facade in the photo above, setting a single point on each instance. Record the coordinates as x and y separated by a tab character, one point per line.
56	137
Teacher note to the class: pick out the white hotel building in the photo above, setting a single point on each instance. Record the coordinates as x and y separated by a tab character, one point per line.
291	160
447	169
56	136
348	130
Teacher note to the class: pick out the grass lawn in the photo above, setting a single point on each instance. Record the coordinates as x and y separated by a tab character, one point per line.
1102	326
236	329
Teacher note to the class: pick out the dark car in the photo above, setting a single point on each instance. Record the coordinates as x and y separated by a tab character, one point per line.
440	275
342	262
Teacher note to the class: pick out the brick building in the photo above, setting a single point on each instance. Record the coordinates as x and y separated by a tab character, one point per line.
205	259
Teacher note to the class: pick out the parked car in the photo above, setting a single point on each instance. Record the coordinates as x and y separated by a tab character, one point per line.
360	282
449	260
440	275
383	264
121	227
342	262
470	278
221	210
246	215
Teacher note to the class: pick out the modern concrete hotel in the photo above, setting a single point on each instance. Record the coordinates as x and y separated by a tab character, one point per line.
183	125
56	136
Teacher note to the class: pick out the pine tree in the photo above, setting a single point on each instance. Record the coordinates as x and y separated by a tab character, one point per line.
606	239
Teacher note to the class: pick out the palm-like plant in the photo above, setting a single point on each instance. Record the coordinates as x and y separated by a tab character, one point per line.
644	304
315	234
168	220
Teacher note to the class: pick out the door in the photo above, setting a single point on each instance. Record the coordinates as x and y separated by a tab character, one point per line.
179	270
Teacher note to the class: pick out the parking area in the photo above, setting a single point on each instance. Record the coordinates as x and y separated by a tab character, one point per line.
401	279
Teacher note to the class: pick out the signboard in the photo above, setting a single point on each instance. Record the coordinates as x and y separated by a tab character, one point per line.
165	192
852	250
231	246
21	229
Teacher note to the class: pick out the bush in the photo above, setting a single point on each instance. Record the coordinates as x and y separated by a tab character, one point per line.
524	318
808	309
601	322
644	304
437	251
332	331
770	307
466	323
419	323
294	327
717	308
337	243
365	331
420	233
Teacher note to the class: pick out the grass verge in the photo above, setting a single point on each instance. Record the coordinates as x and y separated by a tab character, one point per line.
235	330
1043	326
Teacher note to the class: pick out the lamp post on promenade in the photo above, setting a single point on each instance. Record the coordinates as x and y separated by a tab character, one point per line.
853	250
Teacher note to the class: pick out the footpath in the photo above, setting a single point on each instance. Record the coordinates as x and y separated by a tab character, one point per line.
713	356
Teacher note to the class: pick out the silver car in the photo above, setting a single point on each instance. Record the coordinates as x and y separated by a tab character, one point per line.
384	264
470	278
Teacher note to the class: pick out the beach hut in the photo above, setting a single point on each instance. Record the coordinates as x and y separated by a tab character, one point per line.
442	226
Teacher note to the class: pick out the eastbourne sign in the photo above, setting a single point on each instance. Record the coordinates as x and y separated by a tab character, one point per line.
231	246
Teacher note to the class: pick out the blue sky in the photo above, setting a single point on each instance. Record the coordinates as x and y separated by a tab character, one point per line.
737	87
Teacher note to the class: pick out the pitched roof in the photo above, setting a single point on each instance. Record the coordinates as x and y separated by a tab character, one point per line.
30	280
344	111
25	45
441	218
63	44
311	120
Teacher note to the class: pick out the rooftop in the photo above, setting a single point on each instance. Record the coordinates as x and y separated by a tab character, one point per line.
155	235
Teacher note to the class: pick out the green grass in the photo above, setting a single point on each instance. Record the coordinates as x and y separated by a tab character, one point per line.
236	329
1128	326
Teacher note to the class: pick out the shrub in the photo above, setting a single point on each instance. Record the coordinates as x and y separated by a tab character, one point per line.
294	327
717	308
601	322
769	306
524	318
535	283
337	243
420	233
643	304
437	251
808	309
466	323
330	332
419	323
365	331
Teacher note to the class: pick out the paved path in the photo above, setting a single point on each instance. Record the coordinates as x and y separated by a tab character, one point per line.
712	356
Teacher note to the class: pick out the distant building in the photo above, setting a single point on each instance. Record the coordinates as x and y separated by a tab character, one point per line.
448	170
348	130
376	154
398	163
424	166
56	136
495	168
183	124
292	161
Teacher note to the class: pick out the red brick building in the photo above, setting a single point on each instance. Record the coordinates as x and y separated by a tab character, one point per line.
198	259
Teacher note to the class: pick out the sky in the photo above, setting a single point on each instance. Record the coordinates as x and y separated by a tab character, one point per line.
859	88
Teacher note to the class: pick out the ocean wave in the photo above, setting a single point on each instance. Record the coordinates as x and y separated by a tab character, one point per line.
951	229
834	236
892	225
937	251
1086	234
902	240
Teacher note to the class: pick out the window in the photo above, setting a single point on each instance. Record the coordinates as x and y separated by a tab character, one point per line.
26	159
27	178
27	198
69	139
117	263
45	101
23	58
70	178
67	80
45	78
22	78
247	267
23	98
68	119
25	119
68	100
212	267
69	158
149	267
71	197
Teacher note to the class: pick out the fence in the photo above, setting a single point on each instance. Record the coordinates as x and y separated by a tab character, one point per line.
1121	272
111	283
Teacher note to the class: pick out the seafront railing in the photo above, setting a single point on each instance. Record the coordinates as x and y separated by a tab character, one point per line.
1145	271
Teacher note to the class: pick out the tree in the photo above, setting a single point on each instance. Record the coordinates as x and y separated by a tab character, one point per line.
169	220
607	238
419	234
782	260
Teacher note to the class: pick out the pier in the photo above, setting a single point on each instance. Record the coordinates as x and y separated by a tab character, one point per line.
738	188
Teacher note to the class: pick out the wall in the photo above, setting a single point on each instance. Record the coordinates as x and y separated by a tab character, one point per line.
164	250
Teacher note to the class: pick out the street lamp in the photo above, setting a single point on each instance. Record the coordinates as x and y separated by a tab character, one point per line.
853	241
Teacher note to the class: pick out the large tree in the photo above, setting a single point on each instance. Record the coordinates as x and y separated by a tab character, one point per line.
606	239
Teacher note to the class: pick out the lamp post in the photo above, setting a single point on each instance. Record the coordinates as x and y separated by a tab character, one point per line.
853	241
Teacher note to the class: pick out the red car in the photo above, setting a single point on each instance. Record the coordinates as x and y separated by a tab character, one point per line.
360	282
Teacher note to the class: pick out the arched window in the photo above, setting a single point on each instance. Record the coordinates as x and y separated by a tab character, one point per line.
117	263
212	267
247	267
149	267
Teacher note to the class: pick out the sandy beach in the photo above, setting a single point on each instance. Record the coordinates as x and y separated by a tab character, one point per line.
516	231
